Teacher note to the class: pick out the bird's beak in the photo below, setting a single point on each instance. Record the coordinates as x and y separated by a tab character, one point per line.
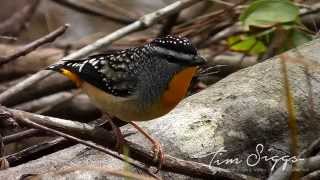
198	60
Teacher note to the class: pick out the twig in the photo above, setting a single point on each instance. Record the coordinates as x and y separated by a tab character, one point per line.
102	170
310	9
302	166
1	146
312	149
223	2
6	122
87	143
91	10
40	58
38	150
5	85
137	152
44	102
142	23
9	38
292	120
118	9
170	22
58	102
53	84
43	148
21	135
280	37
16	23
312	176
34	45
306	165
207	21
4	164
223	34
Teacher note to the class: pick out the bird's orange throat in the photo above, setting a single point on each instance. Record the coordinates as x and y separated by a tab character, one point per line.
177	88
72	76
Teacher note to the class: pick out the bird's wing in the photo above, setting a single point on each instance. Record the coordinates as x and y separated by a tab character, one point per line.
110	72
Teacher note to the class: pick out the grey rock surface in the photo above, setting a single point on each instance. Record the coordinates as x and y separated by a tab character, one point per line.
239	112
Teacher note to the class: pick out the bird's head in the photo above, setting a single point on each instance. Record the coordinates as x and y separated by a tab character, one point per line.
178	50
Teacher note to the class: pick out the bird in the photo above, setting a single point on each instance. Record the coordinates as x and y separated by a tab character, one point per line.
138	83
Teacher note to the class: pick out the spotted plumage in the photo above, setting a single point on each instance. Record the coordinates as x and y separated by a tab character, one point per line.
111	72
116	72
137	84
175	43
141	82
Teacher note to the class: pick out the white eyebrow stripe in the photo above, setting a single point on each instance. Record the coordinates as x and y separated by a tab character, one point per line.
184	56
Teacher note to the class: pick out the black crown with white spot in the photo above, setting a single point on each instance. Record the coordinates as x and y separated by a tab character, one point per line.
175	43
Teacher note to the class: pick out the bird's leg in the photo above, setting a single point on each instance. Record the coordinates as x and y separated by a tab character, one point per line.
158	151
117	132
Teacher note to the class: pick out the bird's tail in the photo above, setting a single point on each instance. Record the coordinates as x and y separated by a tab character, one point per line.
62	68
57	66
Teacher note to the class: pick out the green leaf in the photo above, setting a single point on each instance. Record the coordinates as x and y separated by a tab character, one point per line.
267	13
248	44
296	38
299	37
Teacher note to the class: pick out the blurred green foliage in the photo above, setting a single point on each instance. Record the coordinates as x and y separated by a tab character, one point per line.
261	20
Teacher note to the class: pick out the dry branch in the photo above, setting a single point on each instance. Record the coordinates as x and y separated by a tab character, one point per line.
39	59
99	135
21	135
77	173
91	10
309	164
38	104
34	45
4	164
79	108
312	150
38	150
88	143
168	25
303	166
53	84
18	20
312	176
142	23
41	149
7	84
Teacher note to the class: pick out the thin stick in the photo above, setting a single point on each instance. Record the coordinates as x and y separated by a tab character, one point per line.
103	170
38	150
91	10
21	135
168	25
9	38
142	23
58	102
90	144
34	45
98	134
13	25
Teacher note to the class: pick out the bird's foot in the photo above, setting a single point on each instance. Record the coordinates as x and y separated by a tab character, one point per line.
158	155
119	136
119	140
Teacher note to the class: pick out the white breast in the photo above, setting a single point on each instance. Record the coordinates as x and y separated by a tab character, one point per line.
126	109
